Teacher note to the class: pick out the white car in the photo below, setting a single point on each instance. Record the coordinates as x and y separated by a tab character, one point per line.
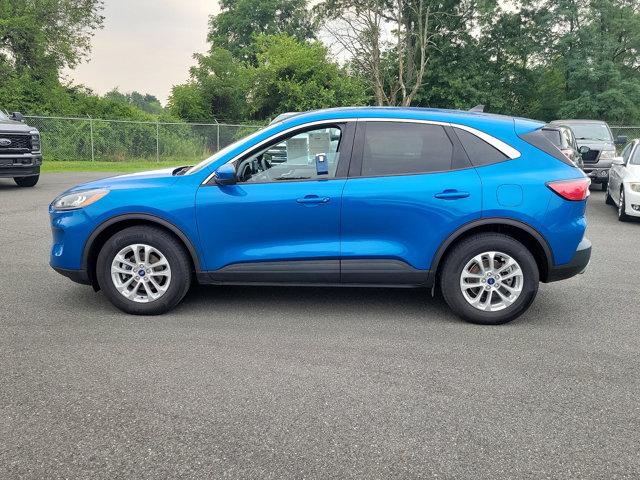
624	182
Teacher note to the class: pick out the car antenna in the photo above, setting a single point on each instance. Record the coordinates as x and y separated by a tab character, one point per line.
477	108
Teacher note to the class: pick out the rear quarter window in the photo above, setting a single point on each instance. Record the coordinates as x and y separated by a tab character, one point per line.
479	152
539	139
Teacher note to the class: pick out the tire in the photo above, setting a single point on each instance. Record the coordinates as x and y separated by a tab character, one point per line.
607	198
176	273
622	206
26	181
464	253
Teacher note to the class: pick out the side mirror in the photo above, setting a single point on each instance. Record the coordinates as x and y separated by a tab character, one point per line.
17	116
584	149
322	165
617	161
621	140
226	175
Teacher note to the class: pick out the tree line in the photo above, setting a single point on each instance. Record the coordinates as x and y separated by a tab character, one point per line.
542	59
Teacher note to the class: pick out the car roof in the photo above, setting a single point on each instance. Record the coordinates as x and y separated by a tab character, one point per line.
570	120
463	117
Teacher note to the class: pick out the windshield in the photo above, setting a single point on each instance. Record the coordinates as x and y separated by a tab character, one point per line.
591	131
3	116
221	153
635	160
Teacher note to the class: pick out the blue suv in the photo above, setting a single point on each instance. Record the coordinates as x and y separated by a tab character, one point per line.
483	206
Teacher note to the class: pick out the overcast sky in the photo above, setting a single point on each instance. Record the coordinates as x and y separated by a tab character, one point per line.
145	45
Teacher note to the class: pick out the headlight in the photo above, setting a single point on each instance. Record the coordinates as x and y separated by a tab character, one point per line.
607	154
76	200
35	141
635	187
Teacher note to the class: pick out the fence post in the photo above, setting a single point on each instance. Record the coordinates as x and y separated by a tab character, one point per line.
158	141
93	158
217	137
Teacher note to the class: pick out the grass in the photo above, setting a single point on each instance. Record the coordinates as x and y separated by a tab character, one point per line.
87	166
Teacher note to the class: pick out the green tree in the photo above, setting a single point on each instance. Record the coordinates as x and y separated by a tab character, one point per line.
240	21
298	76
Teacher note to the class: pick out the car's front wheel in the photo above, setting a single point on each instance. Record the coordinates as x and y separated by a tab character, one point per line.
622	207
143	270
489	278
27	181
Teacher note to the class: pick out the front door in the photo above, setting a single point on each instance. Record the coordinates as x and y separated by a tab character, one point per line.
281	222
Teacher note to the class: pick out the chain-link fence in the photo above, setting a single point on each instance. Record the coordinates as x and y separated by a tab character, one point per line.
92	139
629	131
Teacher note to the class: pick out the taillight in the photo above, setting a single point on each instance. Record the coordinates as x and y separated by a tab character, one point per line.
575	190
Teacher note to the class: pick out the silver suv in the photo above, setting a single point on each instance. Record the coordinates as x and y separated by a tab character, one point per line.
20	151
597	146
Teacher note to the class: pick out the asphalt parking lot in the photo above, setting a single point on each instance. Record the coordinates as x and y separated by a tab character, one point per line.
314	383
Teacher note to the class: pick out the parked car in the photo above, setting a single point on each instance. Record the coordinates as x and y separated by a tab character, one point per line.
20	153
483	206
597	146
624	182
564	139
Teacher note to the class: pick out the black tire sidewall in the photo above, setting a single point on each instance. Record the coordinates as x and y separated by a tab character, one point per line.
26	182
168	246
467	249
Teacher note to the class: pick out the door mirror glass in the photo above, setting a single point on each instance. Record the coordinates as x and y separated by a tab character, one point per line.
584	149
226	175
17	116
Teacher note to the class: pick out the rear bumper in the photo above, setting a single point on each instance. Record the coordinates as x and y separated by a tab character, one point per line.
78	276
577	265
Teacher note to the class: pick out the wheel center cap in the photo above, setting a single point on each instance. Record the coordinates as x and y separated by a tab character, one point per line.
491	281
141	273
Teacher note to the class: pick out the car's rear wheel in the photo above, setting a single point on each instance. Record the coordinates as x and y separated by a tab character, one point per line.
143	270
27	181
489	278
622	207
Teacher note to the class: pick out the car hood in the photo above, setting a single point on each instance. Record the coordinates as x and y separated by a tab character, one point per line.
14	127
153	178
596	144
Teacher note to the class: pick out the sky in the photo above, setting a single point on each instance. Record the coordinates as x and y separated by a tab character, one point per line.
145	45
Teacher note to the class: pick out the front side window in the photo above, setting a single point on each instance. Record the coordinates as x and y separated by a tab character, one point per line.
626	153
397	148
292	158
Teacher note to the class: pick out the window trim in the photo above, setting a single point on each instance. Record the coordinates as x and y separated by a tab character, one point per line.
346	143
501	146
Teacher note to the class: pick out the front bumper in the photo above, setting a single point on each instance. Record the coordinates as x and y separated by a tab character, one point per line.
78	276
576	266
20	165
632	201
597	175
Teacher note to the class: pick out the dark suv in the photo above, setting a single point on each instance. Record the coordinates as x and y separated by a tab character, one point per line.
20	152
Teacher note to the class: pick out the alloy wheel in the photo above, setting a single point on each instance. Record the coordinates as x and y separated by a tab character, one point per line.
491	281
141	273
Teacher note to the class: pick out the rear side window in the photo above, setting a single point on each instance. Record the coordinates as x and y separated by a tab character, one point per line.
479	152
397	148
538	139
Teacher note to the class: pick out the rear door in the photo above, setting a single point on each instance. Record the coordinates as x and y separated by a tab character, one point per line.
410	186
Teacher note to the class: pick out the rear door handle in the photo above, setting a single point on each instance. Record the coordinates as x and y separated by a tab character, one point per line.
451	194
312	199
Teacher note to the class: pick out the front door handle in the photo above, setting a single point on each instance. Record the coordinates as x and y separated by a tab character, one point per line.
312	200
451	194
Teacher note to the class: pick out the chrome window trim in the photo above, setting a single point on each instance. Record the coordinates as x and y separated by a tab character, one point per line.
501	146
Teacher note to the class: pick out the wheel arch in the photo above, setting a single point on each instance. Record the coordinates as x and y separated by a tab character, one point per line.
118	223
522	232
